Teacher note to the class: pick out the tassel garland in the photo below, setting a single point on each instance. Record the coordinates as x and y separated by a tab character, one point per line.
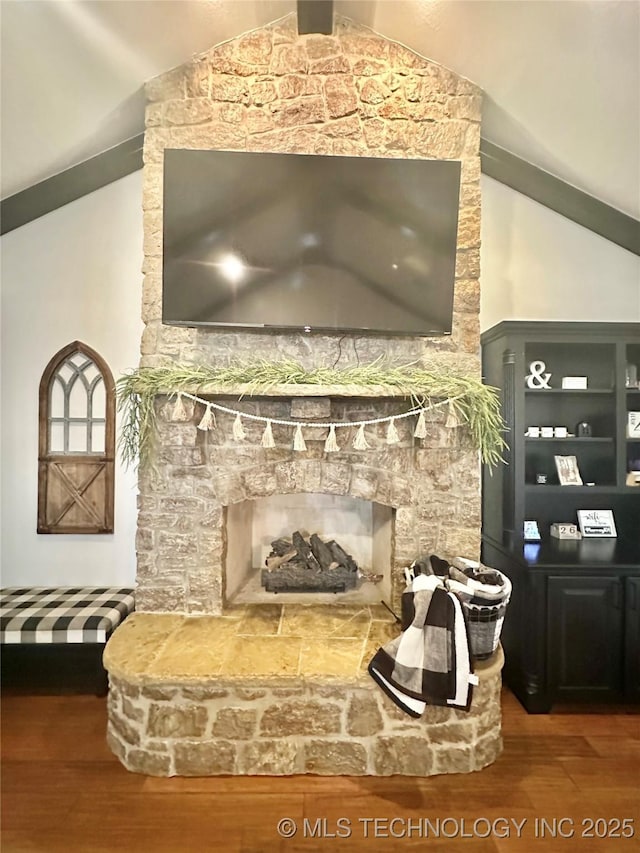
208	419
331	445
452	416
392	432
298	440
421	426
267	436
238	429
360	442
179	412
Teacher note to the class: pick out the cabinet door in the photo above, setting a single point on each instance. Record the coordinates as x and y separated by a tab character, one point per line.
632	639
584	634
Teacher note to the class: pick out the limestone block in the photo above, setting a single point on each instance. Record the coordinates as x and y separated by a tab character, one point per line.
374	131
166	86
126	730
300	718
288	59
254	48
321	46
190	111
263	92
349	126
466	107
294	86
460	731
443	140
301	111
367	67
115	744
159	693
311	408
456	760
132	711
198	80
373	91
335	757
363	716
248	694
406	755
234	723
149	763
364	483
359	46
486	750
160	599
270	757
330	65
335	478
466	298
204	758
204	693
176	721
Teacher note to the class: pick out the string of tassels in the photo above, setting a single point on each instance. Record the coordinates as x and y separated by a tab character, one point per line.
179	412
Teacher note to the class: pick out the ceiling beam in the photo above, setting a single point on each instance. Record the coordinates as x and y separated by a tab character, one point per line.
73	183
315	16
496	163
558	195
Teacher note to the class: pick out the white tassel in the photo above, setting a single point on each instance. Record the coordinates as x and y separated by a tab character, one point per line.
179	412
360	442
392	432
421	426
298	439
208	419
238	429
452	416
331	445
267	436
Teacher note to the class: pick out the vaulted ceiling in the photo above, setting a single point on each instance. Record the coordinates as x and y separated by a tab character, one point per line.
561	77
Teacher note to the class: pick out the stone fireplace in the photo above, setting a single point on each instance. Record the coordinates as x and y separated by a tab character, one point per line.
185	698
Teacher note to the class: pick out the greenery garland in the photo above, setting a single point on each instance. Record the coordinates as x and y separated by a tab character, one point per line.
476	405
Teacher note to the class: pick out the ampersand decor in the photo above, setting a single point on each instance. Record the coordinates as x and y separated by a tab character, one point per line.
537	378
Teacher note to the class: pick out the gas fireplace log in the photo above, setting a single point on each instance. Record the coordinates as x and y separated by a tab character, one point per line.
281	546
274	560
304	551
341	556
322	553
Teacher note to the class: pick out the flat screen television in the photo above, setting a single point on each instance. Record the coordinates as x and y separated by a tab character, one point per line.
309	242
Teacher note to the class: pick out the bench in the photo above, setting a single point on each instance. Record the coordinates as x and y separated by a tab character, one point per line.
52	638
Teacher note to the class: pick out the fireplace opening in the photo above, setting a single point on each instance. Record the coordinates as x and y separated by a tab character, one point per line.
362	530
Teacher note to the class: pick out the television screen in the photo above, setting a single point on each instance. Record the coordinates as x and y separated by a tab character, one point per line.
297	241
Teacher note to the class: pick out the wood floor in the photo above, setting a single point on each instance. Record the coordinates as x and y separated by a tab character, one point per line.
62	790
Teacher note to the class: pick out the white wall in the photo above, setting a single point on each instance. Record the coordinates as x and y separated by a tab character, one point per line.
537	265
71	275
75	275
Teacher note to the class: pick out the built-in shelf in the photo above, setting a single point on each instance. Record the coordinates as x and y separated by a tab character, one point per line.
574	438
573	490
578	391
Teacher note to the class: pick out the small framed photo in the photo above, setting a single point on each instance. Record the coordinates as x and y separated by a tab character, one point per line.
568	471
531	531
596	523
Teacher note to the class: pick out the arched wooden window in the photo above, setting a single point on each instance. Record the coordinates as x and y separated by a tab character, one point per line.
76	443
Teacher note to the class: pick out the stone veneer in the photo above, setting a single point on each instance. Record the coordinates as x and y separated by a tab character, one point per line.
351	93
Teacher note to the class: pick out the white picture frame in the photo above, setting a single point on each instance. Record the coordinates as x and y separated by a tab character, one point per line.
633	424
568	471
597	523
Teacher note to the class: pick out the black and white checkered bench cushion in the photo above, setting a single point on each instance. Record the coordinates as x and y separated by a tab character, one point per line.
62	614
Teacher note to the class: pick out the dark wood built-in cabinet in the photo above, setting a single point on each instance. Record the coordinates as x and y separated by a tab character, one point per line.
572	629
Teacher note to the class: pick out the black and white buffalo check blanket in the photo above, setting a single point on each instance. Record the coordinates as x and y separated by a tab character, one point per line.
430	662
62	614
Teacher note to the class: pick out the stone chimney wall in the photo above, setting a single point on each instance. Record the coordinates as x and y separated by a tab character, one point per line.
352	93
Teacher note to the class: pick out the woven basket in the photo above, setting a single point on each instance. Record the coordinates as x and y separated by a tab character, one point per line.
485	622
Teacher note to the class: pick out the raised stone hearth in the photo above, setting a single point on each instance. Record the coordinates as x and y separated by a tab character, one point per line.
281	690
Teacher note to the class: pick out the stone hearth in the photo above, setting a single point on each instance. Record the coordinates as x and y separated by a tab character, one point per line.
279	690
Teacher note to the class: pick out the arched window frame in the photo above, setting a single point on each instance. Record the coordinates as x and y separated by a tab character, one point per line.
76	487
